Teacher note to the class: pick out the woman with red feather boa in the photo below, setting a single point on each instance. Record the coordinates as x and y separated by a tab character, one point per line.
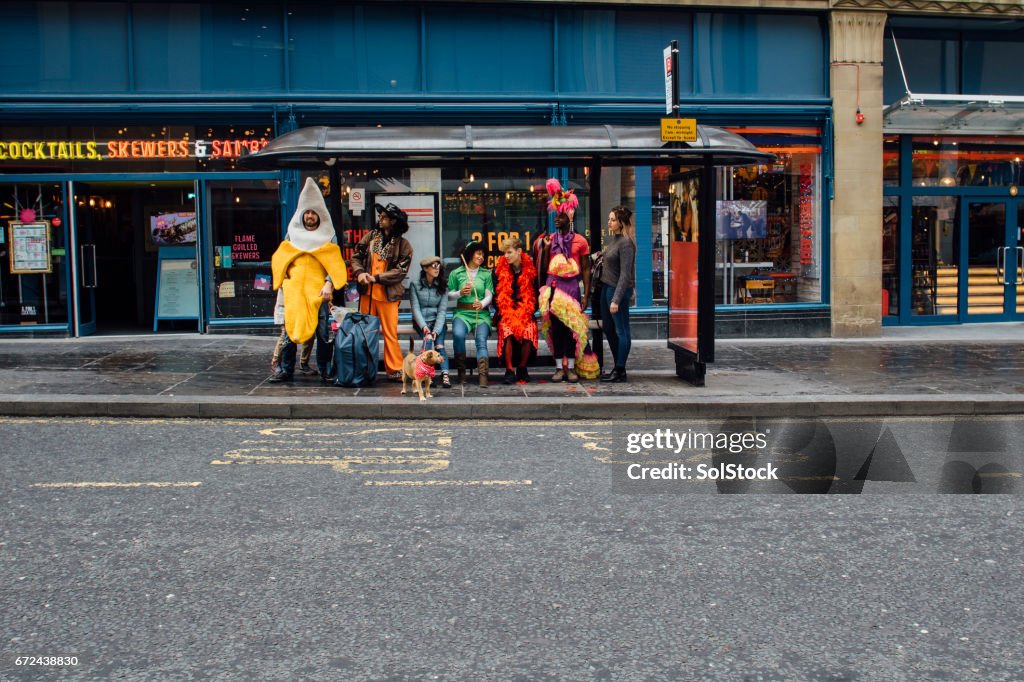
515	286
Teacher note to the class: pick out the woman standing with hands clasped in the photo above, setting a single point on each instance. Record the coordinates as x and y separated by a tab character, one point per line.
618	282
429	306
472	287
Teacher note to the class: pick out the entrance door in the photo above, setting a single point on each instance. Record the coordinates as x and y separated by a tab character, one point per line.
121	230
83	248
992	278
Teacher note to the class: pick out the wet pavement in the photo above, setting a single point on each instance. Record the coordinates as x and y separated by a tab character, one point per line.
966	370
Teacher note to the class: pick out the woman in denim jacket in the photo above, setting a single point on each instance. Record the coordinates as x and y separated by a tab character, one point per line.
429	298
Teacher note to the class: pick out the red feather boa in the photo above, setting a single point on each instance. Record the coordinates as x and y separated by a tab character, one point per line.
517	316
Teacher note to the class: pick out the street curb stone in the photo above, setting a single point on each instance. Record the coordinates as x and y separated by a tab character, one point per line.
527	409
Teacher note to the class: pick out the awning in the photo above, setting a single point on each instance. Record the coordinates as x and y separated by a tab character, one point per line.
318	146
955	115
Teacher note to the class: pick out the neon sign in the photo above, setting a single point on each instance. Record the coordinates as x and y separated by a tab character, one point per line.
125	150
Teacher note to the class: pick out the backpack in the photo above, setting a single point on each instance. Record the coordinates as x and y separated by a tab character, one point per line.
355	351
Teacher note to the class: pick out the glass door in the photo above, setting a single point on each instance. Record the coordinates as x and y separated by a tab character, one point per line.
989	244
83	249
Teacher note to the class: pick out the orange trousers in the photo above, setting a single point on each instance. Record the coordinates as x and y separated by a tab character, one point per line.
387	312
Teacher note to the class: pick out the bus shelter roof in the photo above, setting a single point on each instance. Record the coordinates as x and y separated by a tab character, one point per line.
317	146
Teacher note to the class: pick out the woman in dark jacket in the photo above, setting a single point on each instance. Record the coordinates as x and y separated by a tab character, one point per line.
429	298
618	281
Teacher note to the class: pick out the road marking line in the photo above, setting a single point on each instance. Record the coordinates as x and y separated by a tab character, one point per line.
410	484
115	484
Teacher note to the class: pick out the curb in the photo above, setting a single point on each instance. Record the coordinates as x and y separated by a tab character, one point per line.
533	409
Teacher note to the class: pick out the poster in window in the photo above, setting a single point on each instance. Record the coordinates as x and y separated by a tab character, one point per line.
173	227
683	281
741	219
30	248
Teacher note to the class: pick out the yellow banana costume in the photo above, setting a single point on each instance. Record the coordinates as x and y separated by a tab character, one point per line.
301	263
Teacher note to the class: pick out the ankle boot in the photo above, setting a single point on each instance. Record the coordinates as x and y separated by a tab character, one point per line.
460	365
616	376
482	365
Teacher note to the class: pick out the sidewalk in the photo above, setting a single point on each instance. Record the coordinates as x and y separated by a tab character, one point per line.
975	369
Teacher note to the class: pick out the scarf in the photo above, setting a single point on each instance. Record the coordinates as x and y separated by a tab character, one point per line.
518	315
423	369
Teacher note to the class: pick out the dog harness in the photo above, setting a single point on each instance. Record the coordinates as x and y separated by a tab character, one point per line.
423	369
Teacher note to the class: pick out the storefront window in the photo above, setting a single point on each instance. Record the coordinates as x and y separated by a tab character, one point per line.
964	161
891	161
32	255
933	256
768	222
490	205
890	255
246	228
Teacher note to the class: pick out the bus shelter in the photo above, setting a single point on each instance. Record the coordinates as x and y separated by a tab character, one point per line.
691	309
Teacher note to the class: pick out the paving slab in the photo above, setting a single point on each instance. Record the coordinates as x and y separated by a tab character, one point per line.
973	370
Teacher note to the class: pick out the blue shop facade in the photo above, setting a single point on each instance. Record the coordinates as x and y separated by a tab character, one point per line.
123	206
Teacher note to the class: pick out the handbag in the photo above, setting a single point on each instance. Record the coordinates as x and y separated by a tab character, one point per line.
596	270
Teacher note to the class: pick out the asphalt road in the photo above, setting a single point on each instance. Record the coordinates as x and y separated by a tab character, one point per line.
348	551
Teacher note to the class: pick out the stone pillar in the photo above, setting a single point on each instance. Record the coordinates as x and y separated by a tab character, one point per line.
856	234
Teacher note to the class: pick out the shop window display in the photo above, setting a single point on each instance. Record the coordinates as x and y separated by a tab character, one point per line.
246	230
768	222
934	261
32	255
965	161
890	256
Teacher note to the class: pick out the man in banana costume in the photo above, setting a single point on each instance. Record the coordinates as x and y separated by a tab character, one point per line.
307	267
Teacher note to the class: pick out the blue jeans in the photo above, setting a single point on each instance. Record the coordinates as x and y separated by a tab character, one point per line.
438	345
616	325
324	349
459	331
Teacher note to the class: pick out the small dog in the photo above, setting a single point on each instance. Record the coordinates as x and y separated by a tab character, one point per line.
419	369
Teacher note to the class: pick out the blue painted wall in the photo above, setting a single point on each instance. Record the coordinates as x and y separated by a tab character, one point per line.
404	49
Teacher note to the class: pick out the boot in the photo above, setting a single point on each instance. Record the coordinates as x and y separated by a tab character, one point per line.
482	366
460	365
616	376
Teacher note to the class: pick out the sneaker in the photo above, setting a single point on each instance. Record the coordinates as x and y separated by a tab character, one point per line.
279	376
306	369
395	376
446	381
571	377
558	376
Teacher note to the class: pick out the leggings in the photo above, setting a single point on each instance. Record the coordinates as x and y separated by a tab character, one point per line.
516	353
562	340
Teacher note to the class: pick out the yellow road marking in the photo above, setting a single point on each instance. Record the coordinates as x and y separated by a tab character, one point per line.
412	484
115	484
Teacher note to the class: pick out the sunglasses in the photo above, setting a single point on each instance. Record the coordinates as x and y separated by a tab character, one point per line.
434	265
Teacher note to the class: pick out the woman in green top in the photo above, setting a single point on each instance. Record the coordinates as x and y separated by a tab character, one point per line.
472	287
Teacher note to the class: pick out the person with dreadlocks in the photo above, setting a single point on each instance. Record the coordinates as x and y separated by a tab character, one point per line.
380	265
562	257
516	298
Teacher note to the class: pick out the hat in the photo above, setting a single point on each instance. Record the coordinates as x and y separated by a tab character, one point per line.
429	260
310	199
561	200
471	247
396	214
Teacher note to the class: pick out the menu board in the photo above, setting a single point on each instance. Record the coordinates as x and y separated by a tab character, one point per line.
177	287
30	248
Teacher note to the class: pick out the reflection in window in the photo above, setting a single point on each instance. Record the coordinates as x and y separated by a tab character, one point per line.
36	298
933	255
967	161
246	229
890	255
